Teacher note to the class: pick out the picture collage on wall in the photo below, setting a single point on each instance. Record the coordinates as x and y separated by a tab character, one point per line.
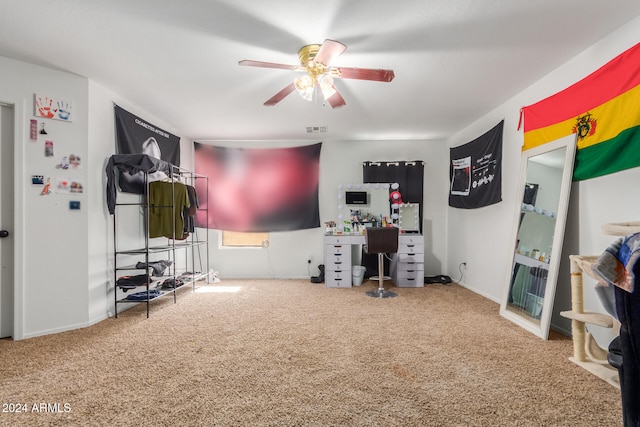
41	131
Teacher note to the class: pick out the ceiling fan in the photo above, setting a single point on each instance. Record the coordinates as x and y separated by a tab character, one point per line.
315	61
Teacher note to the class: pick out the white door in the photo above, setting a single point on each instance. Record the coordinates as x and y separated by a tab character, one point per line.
6	220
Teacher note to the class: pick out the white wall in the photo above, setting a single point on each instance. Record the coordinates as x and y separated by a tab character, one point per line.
62	257
50	240
340	163
482	238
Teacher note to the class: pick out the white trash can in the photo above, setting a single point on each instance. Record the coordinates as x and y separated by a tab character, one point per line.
357	274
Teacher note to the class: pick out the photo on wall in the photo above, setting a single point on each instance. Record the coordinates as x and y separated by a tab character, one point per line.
461	178
258	189
69	186
135	135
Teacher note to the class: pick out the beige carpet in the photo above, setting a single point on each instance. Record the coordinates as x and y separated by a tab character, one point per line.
295	353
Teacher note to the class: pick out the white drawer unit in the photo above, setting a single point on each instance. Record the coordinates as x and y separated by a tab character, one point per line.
410	278
338	278
410	248
407	266
337	259
347	239
408	239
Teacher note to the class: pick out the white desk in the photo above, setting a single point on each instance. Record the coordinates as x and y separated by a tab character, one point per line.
407	266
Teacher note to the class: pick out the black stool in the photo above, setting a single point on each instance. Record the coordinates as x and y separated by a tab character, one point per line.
381	240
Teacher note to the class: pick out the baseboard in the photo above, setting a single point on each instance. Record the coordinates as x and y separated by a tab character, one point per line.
62	329
232	277
563	331
480	292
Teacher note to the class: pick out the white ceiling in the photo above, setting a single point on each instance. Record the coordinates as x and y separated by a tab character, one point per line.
454	60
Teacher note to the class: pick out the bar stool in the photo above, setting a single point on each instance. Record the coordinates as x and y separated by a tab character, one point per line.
381	240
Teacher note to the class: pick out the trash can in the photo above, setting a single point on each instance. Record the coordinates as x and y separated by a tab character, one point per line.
357	274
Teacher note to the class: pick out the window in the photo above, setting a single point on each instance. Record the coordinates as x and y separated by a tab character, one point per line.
243	240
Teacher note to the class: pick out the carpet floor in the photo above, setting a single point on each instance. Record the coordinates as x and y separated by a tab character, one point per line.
252	352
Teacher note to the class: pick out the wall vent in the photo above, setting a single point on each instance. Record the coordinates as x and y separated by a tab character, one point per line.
316	129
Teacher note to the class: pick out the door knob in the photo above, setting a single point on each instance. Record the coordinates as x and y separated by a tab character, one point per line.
4	233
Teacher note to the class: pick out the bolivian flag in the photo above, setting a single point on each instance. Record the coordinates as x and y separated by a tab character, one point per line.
603	110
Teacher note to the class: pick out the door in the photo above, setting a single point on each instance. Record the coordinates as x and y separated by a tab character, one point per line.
6	220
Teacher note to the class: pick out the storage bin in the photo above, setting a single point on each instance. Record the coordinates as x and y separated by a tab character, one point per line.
357	273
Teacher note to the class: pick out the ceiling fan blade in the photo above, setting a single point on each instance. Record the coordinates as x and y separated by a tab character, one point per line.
251	63
336	100
329	51
366	74
280	95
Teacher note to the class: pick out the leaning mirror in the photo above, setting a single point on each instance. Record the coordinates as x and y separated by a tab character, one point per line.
539	222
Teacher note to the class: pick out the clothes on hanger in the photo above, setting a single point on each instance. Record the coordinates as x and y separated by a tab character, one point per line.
190	213
131	163
167	202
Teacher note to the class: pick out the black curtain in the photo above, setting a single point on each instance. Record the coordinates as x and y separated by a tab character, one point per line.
410	176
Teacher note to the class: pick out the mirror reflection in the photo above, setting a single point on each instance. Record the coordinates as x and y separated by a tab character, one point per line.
534	244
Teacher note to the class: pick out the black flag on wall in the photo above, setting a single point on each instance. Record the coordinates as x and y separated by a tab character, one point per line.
475	171
134	136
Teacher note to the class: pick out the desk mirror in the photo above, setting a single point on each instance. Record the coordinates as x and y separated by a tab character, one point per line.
539	222
377	202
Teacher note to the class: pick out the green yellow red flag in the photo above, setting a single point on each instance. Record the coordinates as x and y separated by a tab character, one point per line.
603	110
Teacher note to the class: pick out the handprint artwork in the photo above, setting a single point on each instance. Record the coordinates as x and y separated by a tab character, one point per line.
52	108
44	108
64	110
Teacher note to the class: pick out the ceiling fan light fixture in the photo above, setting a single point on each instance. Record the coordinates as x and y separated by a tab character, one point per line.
304	85
307	95
326	86
316	62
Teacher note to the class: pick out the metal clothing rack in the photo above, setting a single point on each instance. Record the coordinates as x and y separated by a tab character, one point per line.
192	244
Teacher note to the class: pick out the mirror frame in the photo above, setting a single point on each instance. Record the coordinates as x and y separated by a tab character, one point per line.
542	330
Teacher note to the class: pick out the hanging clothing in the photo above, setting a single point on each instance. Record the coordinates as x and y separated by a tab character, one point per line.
619	266
131	163
190	213
166	216
617	263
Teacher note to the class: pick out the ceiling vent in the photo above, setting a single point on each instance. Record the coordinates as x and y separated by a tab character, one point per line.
316	129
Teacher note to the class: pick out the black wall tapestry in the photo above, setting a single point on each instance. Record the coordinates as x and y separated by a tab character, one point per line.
475	171
134	136
258	189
